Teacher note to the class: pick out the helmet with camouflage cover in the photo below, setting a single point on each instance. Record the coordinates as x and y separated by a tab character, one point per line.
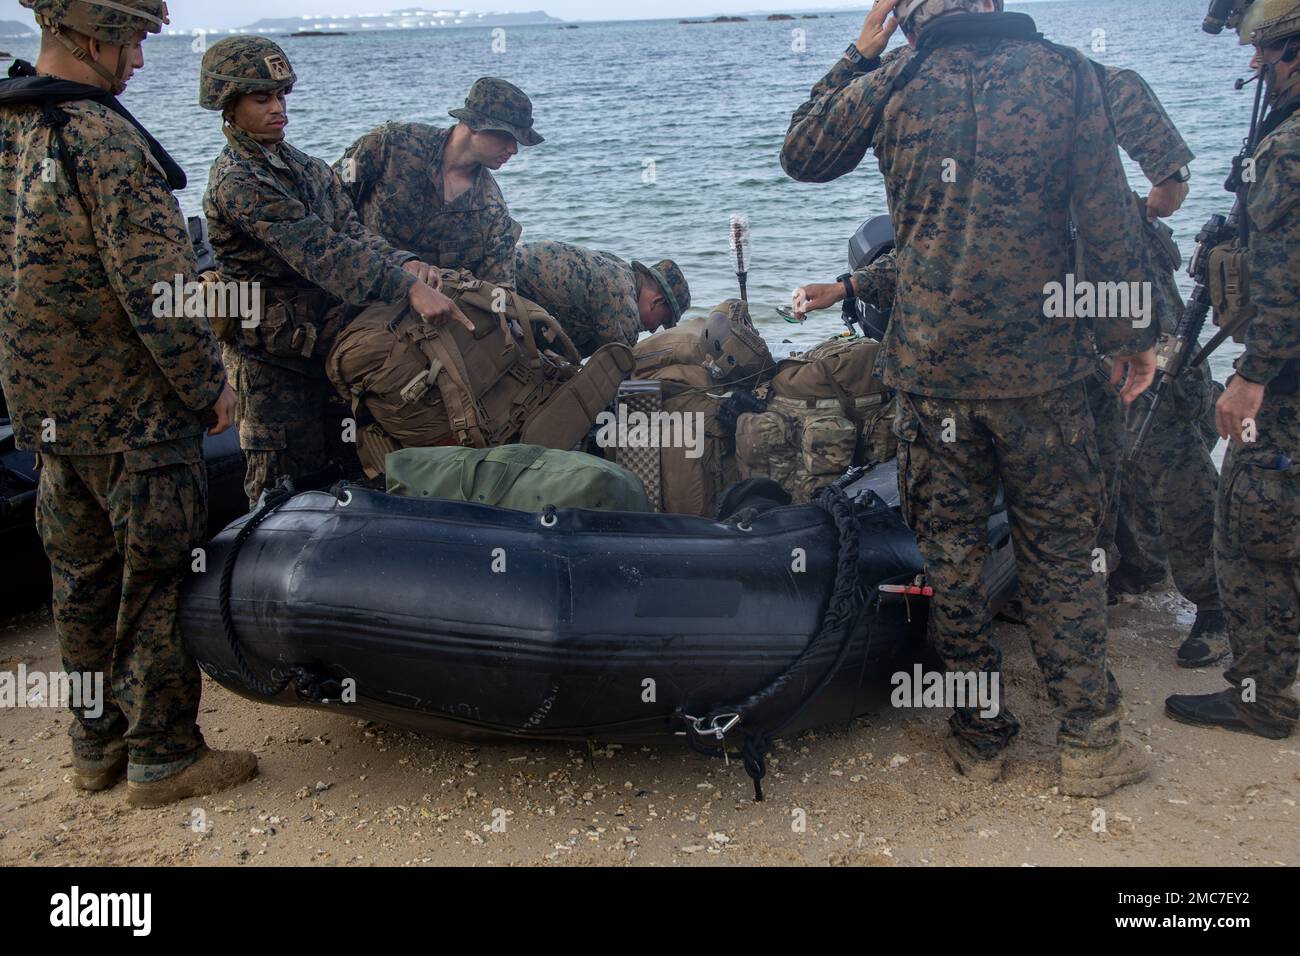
115	22
914	14
242	64
1269	21
109	21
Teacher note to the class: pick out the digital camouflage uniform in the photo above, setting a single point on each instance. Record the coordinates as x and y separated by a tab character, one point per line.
1165	497
969	348
281	218
1257	532
394	174
113	398
594	295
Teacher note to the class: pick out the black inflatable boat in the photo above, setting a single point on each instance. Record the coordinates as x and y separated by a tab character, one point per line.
463	619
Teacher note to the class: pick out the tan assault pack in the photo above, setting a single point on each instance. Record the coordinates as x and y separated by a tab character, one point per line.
688	373
414	385
826	412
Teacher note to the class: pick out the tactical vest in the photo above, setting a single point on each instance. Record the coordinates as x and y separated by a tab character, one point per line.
412	384
826	412
694	373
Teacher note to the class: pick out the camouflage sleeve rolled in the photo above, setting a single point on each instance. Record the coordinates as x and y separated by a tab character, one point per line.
502	236
829	134
142	242
1273	337
1106	216
877	284
1143	128
347	268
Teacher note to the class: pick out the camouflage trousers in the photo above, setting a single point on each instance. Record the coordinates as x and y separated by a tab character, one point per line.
953	454
1257	553
119	530
1161	506
289	424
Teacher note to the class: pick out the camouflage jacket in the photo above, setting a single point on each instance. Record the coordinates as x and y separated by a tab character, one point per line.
394	174
82	347
1273	337
1149	137
283	219
981	153
593	294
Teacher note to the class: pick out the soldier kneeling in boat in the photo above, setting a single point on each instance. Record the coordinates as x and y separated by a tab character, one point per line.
598	297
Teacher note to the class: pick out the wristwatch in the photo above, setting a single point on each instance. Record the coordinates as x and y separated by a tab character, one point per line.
1182	176
850	293
860	62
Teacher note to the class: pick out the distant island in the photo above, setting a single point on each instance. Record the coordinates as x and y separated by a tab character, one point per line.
14	28
317	33
410	19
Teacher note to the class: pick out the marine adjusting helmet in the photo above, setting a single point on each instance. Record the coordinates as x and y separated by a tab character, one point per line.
116	22
912	15
1269	21
242	64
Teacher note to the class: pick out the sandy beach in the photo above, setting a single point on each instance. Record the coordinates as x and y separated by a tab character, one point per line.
339	791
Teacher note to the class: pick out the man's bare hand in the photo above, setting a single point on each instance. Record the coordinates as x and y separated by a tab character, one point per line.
878	28
224	411
434	307
1240	401
425	273
1166	199
812	298
1135	373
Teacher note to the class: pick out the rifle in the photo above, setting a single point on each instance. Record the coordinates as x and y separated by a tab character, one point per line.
1174	355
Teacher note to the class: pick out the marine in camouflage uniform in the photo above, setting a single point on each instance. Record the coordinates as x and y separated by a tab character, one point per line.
1163	501
596	296
281	218
1257	525
110	394
396	175
973	356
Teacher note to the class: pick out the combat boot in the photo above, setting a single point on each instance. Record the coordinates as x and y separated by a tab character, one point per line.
1208	641
215	771
1127	580
1220	710
1098	771
100	774
971	764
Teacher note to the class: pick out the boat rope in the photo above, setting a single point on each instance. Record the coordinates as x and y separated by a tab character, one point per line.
842	610
272	501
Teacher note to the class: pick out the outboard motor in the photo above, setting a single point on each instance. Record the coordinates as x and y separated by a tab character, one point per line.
874	238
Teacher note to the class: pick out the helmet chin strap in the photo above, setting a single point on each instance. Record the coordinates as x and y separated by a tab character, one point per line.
116	81
263	138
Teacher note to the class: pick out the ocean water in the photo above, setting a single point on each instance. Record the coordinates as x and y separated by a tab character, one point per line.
707	104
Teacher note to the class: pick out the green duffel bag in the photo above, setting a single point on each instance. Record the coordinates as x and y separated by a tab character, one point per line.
522	477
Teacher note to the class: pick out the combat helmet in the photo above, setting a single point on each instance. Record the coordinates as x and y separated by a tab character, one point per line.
114	22
242	64
914	14
1269	21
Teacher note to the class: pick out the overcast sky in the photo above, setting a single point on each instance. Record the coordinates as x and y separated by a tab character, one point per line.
224	14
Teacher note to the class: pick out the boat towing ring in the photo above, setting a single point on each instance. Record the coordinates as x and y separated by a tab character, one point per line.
717	731
549	521
345	499
745	526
